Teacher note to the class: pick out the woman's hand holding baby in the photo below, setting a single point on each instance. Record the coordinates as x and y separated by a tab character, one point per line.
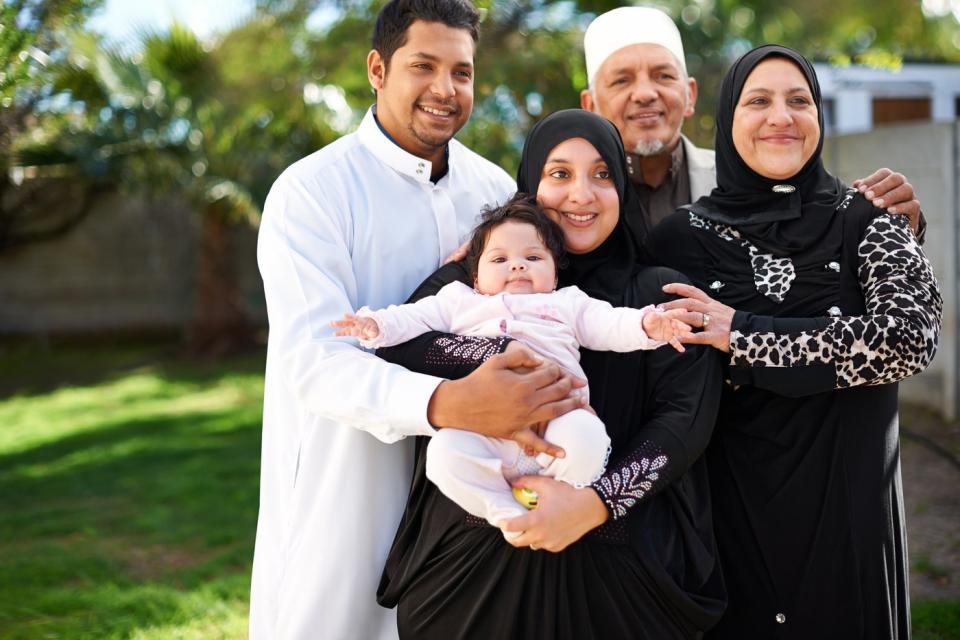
356	326
667	326
563	515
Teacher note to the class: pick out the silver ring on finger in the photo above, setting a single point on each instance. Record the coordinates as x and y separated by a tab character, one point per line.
706	320
534	547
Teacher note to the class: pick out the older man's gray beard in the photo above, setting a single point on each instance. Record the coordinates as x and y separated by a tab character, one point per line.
649	148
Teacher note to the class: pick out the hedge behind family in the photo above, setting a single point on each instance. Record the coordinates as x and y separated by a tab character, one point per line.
742	481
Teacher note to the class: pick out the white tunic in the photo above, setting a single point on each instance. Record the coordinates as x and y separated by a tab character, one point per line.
356	223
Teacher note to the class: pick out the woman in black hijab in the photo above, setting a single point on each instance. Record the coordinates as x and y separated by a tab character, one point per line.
835	302
650	571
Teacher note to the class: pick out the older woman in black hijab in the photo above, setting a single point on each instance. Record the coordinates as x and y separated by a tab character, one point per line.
650	570
835	302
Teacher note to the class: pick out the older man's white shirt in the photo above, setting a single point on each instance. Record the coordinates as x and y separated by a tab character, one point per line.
356	223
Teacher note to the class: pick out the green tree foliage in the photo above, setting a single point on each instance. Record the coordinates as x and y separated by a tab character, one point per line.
217	121
530	58
887	33
214	122
30	38
31	42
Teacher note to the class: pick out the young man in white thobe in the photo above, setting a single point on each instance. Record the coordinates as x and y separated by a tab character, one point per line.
362	222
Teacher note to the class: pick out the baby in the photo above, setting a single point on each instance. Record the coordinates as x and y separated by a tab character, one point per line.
513	259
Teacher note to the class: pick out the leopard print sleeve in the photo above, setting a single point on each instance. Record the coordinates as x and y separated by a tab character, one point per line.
896	338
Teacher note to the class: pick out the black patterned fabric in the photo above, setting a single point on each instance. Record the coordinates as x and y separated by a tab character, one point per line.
896	338
804	463
633	477
456	350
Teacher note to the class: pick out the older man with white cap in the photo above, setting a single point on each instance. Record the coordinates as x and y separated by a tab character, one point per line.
638	80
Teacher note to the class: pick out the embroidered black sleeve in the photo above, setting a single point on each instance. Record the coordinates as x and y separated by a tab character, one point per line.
632	477
897	337
444	355
454	350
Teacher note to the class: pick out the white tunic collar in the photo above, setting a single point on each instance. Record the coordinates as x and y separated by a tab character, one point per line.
390	153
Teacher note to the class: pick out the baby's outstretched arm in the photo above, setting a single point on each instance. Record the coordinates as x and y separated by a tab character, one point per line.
357	326
667	326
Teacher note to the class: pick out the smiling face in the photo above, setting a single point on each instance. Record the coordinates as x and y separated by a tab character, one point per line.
515	260
578	193
642	90
775	127
425	94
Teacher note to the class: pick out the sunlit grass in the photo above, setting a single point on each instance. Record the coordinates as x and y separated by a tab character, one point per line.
129	502
128	497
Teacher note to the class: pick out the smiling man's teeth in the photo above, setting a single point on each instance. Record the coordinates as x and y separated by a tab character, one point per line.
436	112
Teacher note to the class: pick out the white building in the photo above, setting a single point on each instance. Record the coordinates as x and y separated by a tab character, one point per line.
857	99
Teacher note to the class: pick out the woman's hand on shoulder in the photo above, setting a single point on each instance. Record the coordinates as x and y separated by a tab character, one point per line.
564	514
713	318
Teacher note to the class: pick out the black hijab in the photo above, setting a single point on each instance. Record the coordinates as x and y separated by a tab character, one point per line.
604	272
781	217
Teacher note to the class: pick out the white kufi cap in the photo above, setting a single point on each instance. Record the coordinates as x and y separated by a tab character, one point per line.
625	26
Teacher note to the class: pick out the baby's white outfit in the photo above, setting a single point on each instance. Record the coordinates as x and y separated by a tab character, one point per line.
471	469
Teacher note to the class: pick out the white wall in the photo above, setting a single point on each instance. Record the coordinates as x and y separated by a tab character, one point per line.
853	88
927	154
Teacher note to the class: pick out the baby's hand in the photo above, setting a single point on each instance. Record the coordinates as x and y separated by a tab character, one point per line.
359	327
667	326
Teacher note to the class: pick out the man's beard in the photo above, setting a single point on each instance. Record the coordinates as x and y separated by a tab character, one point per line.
648	147
428	138
429	141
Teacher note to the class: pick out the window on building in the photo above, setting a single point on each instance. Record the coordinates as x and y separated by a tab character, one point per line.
900	109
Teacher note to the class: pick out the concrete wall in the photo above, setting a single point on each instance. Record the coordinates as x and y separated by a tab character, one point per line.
853	89
130	265
927	154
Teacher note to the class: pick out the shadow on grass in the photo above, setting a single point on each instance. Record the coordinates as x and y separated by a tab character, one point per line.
172	477
26	370
137	523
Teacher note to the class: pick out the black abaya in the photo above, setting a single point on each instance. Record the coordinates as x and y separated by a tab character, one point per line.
651	574
835	303
651	570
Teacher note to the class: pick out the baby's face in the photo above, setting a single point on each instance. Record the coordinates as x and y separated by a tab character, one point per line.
515	260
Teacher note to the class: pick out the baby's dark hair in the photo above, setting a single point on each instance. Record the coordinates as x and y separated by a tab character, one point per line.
522	207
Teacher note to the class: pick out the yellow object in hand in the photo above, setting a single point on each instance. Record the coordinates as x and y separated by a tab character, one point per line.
527	497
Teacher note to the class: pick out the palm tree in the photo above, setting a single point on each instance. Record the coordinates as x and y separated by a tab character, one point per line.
214	122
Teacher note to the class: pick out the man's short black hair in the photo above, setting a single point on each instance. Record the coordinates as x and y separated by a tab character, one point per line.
393	21
522	207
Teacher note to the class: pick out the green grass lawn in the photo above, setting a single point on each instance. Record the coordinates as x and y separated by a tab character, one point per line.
128	497
129	500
